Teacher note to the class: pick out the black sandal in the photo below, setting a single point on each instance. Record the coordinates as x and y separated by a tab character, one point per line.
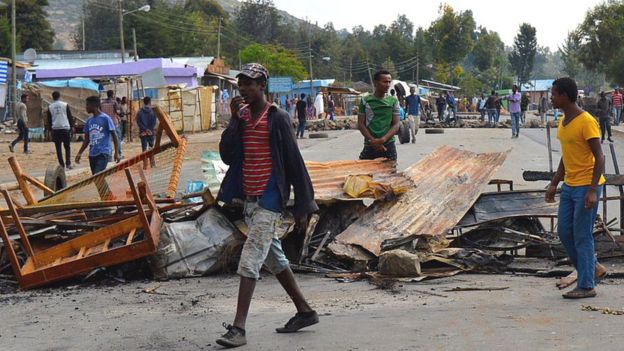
299	321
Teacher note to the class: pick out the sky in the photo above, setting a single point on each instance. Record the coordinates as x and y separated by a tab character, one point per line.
552	19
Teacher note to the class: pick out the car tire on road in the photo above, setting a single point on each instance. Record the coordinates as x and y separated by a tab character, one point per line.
318	135
55	178
404	133
434	131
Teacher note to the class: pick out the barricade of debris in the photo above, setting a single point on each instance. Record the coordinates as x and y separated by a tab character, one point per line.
435	219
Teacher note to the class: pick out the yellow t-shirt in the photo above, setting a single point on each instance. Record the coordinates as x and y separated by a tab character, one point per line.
578	158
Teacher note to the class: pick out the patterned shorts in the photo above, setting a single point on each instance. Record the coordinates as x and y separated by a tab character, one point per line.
262	245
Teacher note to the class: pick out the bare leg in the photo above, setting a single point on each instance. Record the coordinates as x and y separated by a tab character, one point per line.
245	293
287	280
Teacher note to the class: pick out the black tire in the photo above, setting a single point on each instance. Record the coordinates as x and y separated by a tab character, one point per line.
404	133
434	131
318	135
55	178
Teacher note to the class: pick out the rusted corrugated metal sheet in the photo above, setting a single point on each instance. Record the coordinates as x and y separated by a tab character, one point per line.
447	183
329	177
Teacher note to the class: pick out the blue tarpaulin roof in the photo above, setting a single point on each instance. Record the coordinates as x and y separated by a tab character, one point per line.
538	85
72	83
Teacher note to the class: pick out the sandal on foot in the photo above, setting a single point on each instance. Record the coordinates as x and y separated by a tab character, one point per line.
299	321
579	293
567	280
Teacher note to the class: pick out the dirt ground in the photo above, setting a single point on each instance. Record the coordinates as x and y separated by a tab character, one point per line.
528	314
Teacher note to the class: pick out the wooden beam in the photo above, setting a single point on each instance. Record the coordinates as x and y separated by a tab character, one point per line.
20	228
164	124
38	184
19	175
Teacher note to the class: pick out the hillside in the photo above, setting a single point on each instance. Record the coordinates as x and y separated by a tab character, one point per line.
64	16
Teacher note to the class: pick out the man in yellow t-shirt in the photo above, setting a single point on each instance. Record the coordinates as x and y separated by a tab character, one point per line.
580	168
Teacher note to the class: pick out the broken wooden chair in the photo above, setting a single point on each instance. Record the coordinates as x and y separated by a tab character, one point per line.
117	243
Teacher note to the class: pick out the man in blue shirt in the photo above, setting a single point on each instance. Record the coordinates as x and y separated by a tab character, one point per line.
413	111
98	131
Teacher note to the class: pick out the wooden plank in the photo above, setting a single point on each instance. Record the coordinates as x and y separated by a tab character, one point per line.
107	244
20	228
37	183
164	124
10	251
17	170
176	171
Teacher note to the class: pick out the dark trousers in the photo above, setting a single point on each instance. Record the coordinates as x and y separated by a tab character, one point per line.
22	129
147	142
62	138
369	153
98	163
301	129
124	129
605	127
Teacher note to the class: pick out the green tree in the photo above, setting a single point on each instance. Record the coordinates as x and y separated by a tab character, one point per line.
522	57
5	37
33	29
278	60
570	55
487	48
451	35
388	65
209	9
259	19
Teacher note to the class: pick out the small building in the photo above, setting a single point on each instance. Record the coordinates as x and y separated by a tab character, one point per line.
536	88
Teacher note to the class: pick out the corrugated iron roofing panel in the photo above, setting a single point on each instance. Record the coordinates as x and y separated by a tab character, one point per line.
446	184
328	177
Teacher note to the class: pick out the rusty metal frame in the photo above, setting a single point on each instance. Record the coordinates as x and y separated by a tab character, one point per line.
91	250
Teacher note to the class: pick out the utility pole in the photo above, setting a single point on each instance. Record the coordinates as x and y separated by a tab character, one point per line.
121	33
219	40
13	63
350	69
417	71
136	56
82	22
240	63
310	60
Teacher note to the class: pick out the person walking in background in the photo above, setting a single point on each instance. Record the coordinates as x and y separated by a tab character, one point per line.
616	102
451	102
581	168
481	106
61	123
514	108
99	129
543	108
111	108
490	105
22	124
310	109
603	117
301	116
319	105
123	116
412	102
524	106
441	106
330	106
146	121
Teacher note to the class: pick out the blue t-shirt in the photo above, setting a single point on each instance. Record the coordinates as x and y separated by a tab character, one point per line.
413	105
99	128
401	113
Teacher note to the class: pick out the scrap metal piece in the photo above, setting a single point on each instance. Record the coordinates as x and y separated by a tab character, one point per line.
447	183
117	243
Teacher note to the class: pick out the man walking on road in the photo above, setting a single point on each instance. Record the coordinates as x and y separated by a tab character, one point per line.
441	107
260	147
581	168
543	108
603	117
452	105
301	116
514	108
490	105
413	112
378	120
61	122
22	124
98	131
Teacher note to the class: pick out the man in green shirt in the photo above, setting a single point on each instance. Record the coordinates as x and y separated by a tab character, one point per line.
378	120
